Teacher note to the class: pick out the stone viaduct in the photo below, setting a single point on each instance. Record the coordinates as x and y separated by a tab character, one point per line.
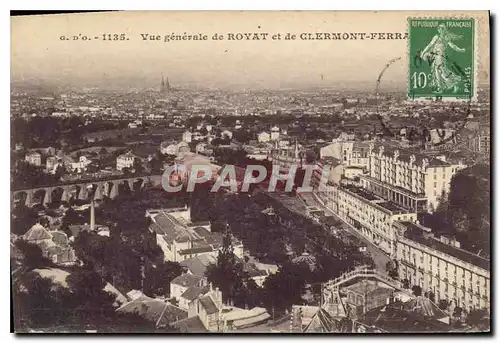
81	189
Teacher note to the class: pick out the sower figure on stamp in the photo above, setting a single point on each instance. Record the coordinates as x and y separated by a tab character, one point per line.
443	77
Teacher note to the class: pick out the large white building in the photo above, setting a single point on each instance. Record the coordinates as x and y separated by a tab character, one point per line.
411	180
438	265
370	214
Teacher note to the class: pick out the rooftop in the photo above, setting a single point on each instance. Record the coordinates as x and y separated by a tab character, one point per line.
396	318
374	199
188	280
37	232
208	304
154	310
196	250
361	192
367	286
190	325
391	206
193	292
416	234
405	154
198	264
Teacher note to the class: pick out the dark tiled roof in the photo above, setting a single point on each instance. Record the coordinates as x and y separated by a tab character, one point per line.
394	318
322	321
208	304
77	228
192	292
198	264
201	231
188	280
166	224
404	155
157	311
202	223
196	250
36	233
170	315
190	325
424	307
60	238
415	234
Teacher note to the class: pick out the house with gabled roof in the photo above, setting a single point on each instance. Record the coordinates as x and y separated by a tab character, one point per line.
323	322
186	287
154	310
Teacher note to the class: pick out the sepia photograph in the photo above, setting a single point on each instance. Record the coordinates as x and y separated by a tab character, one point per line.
243	172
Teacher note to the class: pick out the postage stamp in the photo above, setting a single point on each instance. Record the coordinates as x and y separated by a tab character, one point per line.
441	58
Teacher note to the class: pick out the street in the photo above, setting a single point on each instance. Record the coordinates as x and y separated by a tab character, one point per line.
380	258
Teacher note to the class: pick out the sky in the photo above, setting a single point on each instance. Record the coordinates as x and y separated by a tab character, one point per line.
39	55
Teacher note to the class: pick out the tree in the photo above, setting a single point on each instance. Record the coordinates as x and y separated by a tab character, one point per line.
457	312
479	318
417	290
22	219
32	254
443	304
93	167
37	303
155	165
406	283
158	277
283	289
137	166
465	213
227	273
25	174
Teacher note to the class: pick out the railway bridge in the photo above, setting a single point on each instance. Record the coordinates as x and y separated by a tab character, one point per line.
81	189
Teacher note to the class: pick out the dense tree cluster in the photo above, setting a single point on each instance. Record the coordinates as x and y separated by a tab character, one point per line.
466	211
130	258
40	303
22	218
26	175
40	131
273	241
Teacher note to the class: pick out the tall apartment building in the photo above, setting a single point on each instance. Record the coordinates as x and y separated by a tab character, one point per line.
438	265
411	180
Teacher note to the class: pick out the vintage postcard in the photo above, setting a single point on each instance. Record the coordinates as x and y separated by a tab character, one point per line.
251	172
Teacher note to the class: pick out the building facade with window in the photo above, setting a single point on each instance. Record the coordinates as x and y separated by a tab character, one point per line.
413	181
440	266
125	161
370	214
